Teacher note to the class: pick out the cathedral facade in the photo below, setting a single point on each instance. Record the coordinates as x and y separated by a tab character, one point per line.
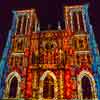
51	64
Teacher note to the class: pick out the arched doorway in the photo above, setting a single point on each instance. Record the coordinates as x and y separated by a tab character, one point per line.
13	88
48	88
86	88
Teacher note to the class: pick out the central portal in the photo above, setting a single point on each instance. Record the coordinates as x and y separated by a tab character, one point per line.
48	88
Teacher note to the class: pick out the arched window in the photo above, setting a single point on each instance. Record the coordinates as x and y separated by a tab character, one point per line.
13	88
81	22
86	88
19	24
33	58
75	23
20	44
48	87
24	24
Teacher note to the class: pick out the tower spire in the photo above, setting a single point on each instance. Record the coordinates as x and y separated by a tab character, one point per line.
59	25
38	27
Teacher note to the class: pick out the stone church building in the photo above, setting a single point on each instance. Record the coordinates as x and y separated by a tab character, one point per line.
60	64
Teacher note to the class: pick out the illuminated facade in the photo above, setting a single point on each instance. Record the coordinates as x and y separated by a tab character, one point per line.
52	64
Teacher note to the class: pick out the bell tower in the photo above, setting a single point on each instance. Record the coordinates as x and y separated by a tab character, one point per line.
74	17
77	18
26	21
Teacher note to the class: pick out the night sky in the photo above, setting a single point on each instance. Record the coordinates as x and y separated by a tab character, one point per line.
48	11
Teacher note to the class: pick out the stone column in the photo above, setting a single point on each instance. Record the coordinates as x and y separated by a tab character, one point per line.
78	21
61	84
26	28
71	21
83	15
17	20
34	84
22	24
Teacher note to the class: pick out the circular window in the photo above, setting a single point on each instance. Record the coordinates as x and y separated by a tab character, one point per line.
49	45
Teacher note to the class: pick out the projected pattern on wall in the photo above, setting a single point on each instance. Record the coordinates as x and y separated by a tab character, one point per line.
51	64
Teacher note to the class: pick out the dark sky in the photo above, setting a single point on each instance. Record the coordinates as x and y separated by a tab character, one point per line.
48	11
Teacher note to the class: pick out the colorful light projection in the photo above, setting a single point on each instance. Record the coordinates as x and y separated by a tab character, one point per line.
35	57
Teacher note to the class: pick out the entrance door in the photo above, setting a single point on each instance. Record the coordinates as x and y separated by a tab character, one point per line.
13	88
86	88
48	88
